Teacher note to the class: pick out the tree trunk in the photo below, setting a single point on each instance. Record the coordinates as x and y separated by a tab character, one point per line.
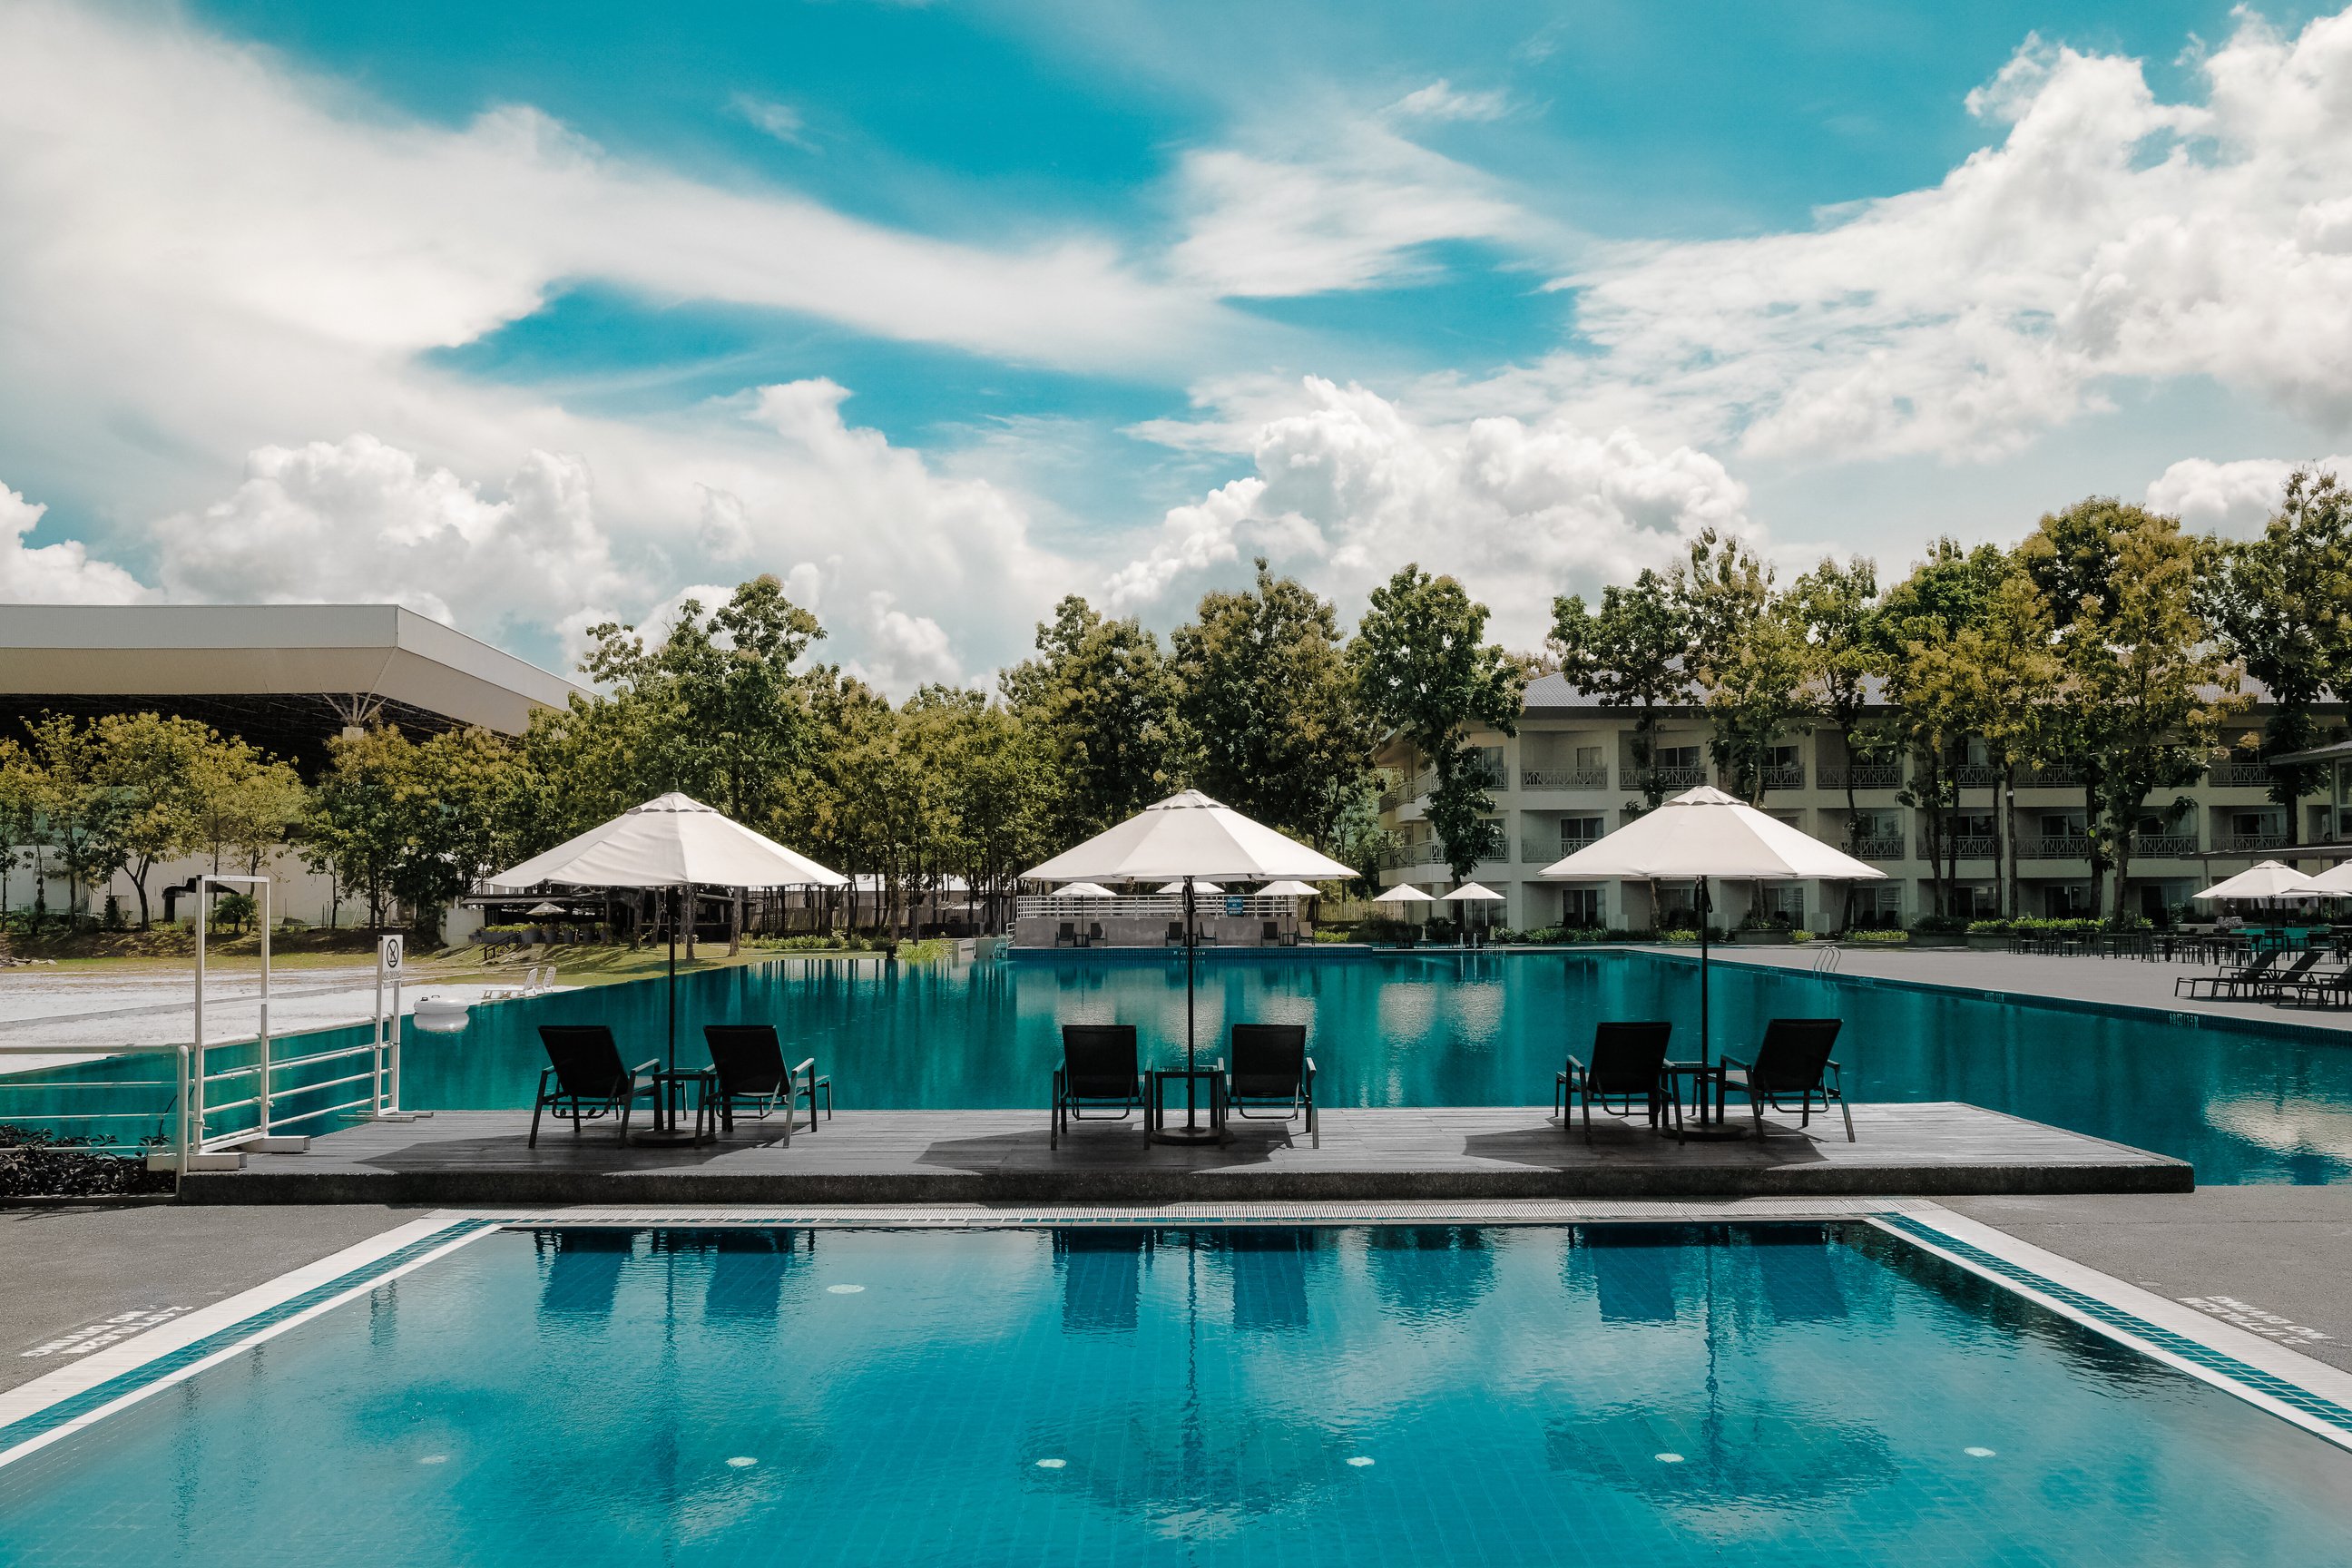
2006	814
139	885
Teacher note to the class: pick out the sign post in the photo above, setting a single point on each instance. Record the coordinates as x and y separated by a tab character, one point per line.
391	954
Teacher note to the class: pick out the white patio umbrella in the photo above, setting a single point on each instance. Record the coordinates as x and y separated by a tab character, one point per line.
542	908
1084	890
2273	880
1189	839
1702	833
1290	888
1197	887
2336	879
1403	894
674	842
1472	893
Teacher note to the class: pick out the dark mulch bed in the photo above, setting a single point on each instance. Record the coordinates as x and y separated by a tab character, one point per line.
39	1164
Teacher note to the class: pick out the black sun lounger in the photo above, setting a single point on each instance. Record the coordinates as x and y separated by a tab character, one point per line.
752	1078
1272	1071
1793	1063
589	1079
1098	1080
1628	1065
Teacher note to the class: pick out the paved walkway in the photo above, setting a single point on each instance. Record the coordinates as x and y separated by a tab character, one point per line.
2115	981
113	1011
983	1156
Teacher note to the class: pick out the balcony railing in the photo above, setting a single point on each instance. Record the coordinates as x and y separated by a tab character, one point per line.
2239	775
1544	851
1975	775
1876	847
1661	778
1967	846
1563	778
2057	847
2163	844
2244	843
1864	776
1786	775
2064	775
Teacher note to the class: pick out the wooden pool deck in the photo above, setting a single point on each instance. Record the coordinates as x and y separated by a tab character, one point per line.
1924	1150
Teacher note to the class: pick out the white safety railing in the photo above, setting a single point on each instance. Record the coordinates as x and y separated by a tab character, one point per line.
173	1111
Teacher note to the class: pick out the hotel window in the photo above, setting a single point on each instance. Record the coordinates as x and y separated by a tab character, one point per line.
1589	757
1580	906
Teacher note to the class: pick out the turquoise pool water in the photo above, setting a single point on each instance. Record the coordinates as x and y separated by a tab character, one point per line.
1283	1396
1449	1029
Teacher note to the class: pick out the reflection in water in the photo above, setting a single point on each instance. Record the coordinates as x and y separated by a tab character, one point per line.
1267	1269
748	1271
1633	1268
584	1270
1766	1450
1425	1272
1800	1283
1102	1277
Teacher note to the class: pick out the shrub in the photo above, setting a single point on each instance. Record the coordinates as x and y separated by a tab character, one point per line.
1878	937
1800	935
1938	925
36	1164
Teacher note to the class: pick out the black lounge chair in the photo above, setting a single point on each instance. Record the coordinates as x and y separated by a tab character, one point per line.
1271	1069
1094	932
1098	1080
748	1059
2270	986
2251	973
1065	934
590	1080
1175	933
1629	1063
1793	1062
2332	989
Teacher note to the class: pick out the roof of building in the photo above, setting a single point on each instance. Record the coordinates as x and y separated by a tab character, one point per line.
259	668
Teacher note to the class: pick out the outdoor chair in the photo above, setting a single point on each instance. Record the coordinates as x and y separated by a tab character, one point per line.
748	1059
1098	1080
1629	1064
1793	1062
589	1079
2251	972
1272	1071
1066	934
547	978
1175	933
2271	985
1269	933
1094	932
2332	989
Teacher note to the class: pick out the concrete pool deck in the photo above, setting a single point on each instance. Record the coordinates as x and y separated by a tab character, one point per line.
2068	981
1001	1156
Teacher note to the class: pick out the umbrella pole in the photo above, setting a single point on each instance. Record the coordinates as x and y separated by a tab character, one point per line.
673	980
1189	944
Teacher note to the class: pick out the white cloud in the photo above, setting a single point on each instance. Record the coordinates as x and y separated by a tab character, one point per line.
1352	213
1441	101
2233	499
361	521
903	651
780	121
2107	234
1351	487
214	260
60	574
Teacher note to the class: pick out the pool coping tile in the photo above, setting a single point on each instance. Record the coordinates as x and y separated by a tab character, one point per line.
2294	1387
38	1413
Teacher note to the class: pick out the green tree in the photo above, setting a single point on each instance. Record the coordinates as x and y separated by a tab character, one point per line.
723	712
1749	656
20	815
1424	671
2146	689
2282	605
1632	652
1918	622
1269	713
74	804
1100	692
1836	610
151	771
354	830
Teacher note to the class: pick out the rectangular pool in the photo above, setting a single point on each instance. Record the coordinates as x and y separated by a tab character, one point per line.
1801	1394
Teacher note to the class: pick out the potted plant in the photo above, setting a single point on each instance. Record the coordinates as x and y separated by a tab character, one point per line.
1988	936
1758	931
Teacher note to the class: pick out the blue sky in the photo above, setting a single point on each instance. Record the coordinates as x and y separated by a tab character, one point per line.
530	313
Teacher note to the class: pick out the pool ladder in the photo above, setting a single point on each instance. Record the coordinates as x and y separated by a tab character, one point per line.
1826	961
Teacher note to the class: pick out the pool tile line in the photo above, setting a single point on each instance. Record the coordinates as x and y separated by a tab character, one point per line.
2309	1394
48	1408
965	1216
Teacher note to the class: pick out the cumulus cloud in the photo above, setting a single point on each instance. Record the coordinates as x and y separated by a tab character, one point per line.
359	520
2106	234
1351	487
60	574
2234	497
1441	101
1350	214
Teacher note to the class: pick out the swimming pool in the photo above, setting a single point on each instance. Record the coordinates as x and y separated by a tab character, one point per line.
1452	1393
1453	1029
1430	1029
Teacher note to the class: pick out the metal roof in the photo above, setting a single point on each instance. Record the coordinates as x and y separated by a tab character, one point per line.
271	663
